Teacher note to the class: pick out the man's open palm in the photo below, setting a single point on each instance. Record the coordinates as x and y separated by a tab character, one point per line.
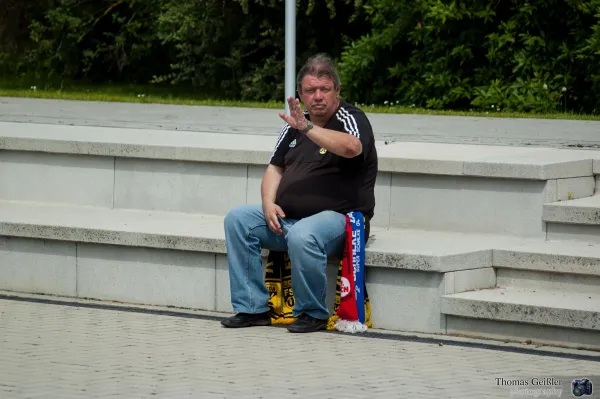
296	119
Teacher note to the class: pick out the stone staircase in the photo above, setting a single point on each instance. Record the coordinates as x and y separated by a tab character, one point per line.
494	242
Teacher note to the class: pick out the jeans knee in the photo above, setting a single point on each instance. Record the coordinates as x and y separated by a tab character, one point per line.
300	239
235	216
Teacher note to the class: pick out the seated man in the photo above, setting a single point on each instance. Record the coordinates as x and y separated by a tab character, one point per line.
324	166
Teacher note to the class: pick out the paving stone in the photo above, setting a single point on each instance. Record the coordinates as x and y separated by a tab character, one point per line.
58	351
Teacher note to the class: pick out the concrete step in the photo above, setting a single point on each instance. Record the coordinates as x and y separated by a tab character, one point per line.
549	256
551	308
518	313
179	259
397	248
575	220
548	265
255	149
578	211
483	189
387	248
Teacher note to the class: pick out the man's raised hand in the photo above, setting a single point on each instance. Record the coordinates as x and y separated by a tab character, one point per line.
296	119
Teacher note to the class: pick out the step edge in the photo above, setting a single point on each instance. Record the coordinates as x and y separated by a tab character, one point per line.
449	300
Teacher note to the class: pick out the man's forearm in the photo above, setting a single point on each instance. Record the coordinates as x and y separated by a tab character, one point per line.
340	143
270	183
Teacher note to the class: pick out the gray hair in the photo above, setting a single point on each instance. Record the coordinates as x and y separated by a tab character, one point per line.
321	66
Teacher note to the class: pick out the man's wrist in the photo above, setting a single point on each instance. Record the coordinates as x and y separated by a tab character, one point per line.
308	127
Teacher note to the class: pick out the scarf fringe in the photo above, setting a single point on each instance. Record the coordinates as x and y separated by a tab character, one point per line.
350	326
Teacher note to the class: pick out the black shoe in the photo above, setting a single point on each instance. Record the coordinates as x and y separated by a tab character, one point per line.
305	324
247	320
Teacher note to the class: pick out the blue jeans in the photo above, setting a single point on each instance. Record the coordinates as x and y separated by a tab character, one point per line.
308	241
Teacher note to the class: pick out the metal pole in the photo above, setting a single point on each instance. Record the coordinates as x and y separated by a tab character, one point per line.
290	51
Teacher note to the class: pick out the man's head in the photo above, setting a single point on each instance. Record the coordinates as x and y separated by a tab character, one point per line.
319	86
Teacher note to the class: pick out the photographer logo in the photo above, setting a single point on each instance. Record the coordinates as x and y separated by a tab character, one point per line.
581	387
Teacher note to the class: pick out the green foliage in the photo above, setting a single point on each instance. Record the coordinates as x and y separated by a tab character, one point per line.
525	56
96	40
510	55
229	48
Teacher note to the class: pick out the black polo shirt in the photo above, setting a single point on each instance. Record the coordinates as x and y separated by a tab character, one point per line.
316	180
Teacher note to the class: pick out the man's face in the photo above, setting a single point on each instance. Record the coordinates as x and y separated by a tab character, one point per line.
319	96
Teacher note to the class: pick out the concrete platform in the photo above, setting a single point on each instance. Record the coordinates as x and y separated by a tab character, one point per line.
521	132
388	248
561	314
406	157
491	190
179	259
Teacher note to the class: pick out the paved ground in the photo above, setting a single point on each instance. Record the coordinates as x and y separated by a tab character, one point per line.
51	350
423	128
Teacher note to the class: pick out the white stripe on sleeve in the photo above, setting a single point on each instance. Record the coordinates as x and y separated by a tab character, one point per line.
282	134
349	122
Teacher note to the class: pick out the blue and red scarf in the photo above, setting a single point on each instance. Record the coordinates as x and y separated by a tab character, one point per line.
351	311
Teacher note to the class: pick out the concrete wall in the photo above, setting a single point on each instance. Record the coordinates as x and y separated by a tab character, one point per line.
146	276
179	186
200	280
467	204
38	266
57	178
416	201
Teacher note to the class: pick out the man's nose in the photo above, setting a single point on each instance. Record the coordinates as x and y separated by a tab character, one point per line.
318	95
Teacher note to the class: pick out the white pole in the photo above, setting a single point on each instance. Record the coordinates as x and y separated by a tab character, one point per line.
290	51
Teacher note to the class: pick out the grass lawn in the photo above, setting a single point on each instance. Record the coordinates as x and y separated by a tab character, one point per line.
170	95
